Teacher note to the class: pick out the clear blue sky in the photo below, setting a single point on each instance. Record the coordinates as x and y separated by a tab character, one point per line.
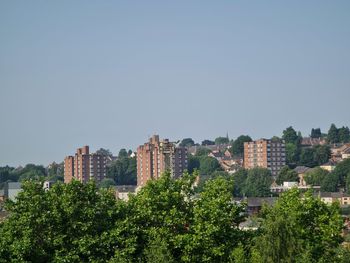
111	73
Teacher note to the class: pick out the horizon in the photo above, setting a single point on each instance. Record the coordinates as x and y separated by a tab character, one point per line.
109	75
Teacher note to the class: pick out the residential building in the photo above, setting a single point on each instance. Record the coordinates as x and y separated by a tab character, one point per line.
122	191
328	166
301	170
265	153
157	156
85	166
331	197
12	189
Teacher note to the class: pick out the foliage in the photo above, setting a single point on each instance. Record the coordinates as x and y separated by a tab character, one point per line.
258	182
344	134
202	151
208	165
123	171
32	172
207	142
187	142
292	153
322	153
341	135
239	179
122	154
68	223
307	157
106	183
286	175
105	152
342	170
237	147
291	136
316	133
222	140
192	163
295	230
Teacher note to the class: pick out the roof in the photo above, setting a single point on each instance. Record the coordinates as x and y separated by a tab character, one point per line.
329	163
14	185
301	169
125	188
259	201
333	194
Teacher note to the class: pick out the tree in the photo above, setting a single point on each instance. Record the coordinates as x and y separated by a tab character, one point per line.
106	183
105	152
296	229
208	165
332	136
287	175
32	172
222	140
207	142
290	136
157	250
214	232
292	154
237	147
258	182
307	157
187	142
202	151
123	153
342	170
68	223
123	171
315	176
322	153
344	134
193	163
239	179
316	133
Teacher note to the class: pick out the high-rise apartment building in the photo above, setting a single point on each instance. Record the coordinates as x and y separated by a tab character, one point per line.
264	153
84	166
157	156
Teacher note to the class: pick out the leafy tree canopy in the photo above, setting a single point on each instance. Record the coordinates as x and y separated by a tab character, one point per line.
207	142
222	140
237	147
287	175
187	142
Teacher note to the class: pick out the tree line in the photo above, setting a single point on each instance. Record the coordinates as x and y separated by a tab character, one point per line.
167	221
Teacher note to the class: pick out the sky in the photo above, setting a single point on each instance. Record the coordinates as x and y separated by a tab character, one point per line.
112	73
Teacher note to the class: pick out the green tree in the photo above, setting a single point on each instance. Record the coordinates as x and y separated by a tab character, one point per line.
123	153
187	142
307	157
342	170
32	172
322	153
344	134
68	223
215	228
207	142
105	152
239	179
222	140
316	133
106	183
237	147
193	163
290	136
287	175
123	171
292	153
202	151
315	176
258	182
295	229
208	165
333	136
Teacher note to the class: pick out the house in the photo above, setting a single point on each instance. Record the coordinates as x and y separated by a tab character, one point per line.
12	189
122	191
216	154
309	142
328	166
254	204
301	170
331	197
222	147
340	152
